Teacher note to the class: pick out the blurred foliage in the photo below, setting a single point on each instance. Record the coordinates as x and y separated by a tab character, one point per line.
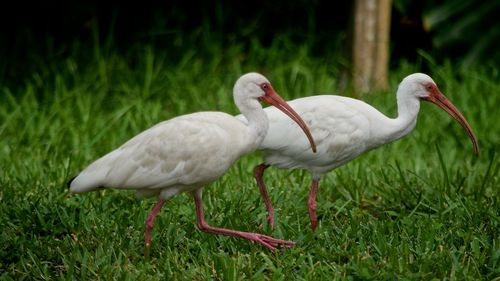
469	26
57	30
466	29
463	31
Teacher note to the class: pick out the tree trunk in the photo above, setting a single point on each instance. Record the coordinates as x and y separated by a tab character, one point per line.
370	45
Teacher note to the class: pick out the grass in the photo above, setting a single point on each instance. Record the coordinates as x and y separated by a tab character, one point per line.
421	208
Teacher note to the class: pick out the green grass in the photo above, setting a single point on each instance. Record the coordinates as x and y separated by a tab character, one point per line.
424	207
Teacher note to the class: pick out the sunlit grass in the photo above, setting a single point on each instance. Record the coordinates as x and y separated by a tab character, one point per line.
421	208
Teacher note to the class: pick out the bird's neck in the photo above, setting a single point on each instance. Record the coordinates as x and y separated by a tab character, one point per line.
258	123
408	108
386	130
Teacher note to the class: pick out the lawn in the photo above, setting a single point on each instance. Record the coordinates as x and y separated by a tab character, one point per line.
423	207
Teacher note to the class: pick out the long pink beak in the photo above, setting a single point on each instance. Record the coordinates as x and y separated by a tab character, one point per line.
440	100
273	98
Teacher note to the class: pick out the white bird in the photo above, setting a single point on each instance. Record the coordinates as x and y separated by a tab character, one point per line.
186	153
343	128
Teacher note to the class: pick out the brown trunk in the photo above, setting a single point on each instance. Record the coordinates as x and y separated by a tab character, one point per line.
370	46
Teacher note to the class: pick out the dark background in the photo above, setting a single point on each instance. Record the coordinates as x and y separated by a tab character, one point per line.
54	29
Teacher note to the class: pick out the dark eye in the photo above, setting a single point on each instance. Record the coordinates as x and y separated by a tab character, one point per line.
264	86
428	87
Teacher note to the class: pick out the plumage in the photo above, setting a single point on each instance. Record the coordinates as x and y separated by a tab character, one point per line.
338	130
161	158
343	128
186	153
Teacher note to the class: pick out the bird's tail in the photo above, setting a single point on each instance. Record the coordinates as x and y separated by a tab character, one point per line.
68	184
82	183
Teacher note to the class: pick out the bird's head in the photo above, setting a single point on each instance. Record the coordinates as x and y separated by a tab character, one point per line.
424	88
254	86
420	85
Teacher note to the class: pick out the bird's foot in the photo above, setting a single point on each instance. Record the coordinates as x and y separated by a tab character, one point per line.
269	242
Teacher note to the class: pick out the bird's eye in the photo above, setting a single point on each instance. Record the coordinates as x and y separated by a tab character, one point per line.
428	87
264	86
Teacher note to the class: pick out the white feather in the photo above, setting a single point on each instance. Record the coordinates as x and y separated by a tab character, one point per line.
163	155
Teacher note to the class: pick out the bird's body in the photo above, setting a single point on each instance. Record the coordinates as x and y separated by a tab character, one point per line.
343	128
188	152
166	160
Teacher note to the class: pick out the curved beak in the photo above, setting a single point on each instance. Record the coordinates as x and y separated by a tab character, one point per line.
273	98
440	100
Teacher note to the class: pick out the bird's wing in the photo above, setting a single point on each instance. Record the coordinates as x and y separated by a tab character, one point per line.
190	150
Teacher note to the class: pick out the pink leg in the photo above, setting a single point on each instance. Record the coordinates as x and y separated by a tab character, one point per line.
311	204
258	173
150	222
267	241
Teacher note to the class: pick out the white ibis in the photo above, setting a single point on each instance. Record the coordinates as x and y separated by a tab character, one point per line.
343	128
186	153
